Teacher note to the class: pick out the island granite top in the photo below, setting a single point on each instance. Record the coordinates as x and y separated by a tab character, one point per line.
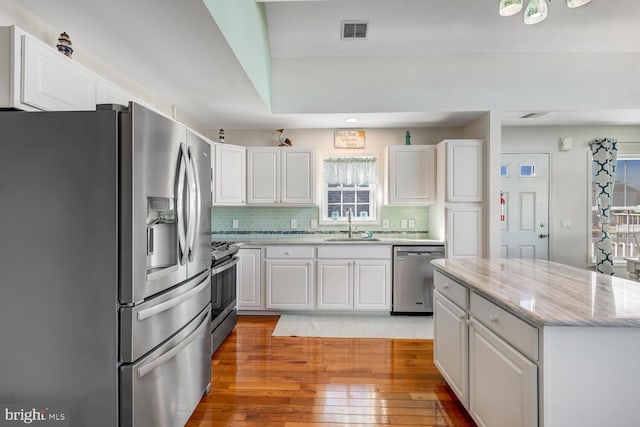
546	293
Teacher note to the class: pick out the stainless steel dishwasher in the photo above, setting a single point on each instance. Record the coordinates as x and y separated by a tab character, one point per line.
413	278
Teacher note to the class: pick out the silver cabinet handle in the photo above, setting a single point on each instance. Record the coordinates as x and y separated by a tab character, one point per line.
191	193
182	239
165	357
195	204
164	306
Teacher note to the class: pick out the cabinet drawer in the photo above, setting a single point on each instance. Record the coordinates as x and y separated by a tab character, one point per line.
350	251
453	290
515	331
290	251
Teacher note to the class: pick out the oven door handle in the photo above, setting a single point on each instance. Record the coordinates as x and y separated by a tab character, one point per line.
227	265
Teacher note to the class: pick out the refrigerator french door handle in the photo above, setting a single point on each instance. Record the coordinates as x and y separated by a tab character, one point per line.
165	357
196	207
182	176
152	311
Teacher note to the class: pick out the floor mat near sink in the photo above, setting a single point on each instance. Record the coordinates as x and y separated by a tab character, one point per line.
408	327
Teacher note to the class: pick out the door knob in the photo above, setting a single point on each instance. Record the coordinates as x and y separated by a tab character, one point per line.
543	236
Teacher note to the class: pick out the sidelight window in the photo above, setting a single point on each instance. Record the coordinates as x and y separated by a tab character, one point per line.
625	210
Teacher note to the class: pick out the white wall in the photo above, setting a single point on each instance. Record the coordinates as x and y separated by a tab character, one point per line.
462	82
13	14
322	139
569	177
487	128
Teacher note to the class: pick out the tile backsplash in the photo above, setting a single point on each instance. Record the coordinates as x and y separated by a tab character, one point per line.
269	219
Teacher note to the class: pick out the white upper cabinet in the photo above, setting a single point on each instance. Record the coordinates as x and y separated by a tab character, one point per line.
297	175
108	93
38	77
229	166
464	231
464	171
411	174
263	183
280	175
51	81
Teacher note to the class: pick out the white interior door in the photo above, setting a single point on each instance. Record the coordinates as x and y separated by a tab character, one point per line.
525	190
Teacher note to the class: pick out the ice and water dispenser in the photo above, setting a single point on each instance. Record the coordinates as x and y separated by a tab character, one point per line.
162	232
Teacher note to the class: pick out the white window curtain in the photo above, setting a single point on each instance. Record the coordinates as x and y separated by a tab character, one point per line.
605	154
350	170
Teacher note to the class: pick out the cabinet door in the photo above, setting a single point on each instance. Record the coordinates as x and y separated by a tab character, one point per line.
372	285
464	171
450	345
297	176
229	170
51	81
263	173
335	285
464	231
249	292
412	175
289	284
108	93
503	387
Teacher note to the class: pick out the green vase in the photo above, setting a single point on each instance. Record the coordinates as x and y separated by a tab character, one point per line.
407	138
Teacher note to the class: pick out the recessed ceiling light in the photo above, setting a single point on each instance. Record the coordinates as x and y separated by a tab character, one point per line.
352	120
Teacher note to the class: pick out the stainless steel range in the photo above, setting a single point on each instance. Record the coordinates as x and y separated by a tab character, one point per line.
224	256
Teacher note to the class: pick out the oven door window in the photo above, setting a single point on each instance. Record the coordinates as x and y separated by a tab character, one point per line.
223	290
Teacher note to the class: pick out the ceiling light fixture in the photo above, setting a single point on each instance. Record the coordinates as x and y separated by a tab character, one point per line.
510	7
577	3
352	120
536	10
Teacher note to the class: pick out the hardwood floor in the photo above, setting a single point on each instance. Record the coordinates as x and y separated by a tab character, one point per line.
260	380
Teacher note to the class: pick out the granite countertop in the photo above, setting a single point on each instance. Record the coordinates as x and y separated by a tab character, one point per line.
546	293
262	239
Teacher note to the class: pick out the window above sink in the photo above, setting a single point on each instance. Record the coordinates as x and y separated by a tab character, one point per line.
350	184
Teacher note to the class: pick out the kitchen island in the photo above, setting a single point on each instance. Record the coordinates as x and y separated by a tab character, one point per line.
537	343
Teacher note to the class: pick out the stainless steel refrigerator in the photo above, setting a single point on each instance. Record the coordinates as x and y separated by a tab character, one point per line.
104	268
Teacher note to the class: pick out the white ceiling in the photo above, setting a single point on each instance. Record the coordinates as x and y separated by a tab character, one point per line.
175	49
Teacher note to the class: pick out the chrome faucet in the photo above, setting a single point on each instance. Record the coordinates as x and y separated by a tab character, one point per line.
350	225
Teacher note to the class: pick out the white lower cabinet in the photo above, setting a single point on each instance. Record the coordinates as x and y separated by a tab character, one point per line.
354	277
335	285
451	345
249	289
371	284
503	383
360	285
289	284
487	356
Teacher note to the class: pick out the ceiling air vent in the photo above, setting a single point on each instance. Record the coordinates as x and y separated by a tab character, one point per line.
534	115
354	30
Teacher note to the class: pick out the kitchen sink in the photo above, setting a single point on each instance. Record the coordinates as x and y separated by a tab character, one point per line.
353	239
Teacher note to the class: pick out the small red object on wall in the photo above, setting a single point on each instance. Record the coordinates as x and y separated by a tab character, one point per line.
502	203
